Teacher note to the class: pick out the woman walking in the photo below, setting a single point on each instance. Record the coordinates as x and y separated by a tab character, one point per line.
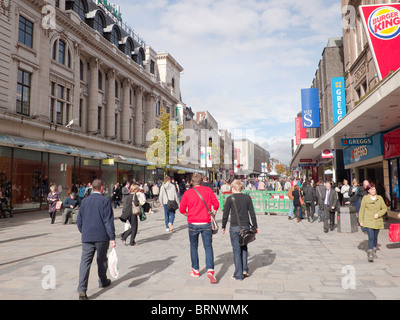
52	198
130	212
296	201
244	206
372	210
168	193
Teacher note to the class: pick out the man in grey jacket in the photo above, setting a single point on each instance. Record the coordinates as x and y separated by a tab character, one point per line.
330	204
168	193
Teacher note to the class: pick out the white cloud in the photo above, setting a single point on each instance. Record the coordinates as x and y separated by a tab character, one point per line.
245	60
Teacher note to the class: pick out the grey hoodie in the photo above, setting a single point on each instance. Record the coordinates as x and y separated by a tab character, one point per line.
168	189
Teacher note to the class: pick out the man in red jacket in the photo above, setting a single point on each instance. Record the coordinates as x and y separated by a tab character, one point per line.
199	222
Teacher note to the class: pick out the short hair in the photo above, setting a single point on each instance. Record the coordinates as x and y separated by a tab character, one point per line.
97	184
167	179
237	184
370	186
134	188
197	179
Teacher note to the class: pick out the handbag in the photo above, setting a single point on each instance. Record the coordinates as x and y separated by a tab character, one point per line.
245	235
214	224
59	205
136	208
394	232
172	205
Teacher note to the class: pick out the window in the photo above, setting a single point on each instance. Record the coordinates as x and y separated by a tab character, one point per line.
173	82
23	92
80	9
61	53
158	108
60	103
116	89
115	36
128	47
81	70
100	81
152	67
98	119
99	23
25	32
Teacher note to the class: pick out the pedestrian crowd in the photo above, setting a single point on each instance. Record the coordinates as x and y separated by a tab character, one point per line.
93	213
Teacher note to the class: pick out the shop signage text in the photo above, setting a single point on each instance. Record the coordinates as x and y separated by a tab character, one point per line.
338	99
356	142
382	26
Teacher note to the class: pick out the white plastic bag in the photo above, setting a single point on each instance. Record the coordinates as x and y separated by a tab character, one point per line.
113	263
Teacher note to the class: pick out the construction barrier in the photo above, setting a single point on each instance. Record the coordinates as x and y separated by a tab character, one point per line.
264	201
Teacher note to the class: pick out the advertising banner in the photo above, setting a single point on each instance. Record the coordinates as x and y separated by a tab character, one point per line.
202	157
391	144
338	98
301	133
310	108
382	26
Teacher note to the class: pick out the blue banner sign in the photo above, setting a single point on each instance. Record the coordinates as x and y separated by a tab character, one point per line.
338	99
348	142
310	108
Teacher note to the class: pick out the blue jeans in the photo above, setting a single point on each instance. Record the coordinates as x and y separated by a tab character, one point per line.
206	236
169	216
372	237
240	253
291	209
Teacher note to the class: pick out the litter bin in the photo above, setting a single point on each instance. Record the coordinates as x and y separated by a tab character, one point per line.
347	220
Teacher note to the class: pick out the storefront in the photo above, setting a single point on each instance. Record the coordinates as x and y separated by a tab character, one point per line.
391	143
366	161
28	168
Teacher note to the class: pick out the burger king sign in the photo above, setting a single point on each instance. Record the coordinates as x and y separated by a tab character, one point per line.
382	25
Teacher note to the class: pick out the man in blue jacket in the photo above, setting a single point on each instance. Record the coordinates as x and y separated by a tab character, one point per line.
96	223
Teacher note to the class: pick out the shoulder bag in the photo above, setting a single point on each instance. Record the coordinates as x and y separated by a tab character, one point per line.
136	208
214	224
245	235
172	205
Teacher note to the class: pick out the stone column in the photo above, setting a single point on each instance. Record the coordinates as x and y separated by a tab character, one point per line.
150	113
110	113
139	116
126	110
93	95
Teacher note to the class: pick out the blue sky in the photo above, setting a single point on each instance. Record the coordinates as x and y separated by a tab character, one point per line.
245	61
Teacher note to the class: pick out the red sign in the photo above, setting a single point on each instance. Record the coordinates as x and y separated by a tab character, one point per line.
391	144
301	133
327	154
306	160
382	26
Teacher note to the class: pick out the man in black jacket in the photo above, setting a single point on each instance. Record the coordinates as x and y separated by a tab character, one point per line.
96	223
310	200
330	204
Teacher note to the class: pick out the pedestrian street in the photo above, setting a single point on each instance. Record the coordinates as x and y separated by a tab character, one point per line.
288	260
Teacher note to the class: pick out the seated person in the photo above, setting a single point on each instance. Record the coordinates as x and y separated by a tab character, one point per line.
70	204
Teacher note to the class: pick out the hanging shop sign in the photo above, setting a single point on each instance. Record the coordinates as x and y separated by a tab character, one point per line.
359	153
348	142
382	26
310	108
338	98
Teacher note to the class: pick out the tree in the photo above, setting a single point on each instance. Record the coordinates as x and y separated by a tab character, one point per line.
164	146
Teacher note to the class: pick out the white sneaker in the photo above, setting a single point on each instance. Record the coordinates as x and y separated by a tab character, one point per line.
166	230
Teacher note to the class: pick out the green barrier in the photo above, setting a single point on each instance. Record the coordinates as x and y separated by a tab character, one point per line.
264	201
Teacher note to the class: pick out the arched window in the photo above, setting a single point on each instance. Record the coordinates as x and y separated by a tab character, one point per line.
80	7
139	56
99	22
61	53
115	36
129	47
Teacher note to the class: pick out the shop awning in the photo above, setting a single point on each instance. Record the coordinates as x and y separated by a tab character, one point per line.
305	151
49	147
377	112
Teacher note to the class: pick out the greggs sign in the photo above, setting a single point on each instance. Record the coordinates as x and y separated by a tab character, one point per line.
382	25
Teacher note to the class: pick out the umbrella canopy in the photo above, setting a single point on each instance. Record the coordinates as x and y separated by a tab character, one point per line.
273	173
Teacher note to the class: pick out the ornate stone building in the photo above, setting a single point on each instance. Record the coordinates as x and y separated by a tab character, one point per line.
78	93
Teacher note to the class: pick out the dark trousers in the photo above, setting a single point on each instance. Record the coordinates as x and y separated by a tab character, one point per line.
329	215
310	208
88	250
132	231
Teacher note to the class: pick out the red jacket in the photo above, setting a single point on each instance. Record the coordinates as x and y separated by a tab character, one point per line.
194	206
